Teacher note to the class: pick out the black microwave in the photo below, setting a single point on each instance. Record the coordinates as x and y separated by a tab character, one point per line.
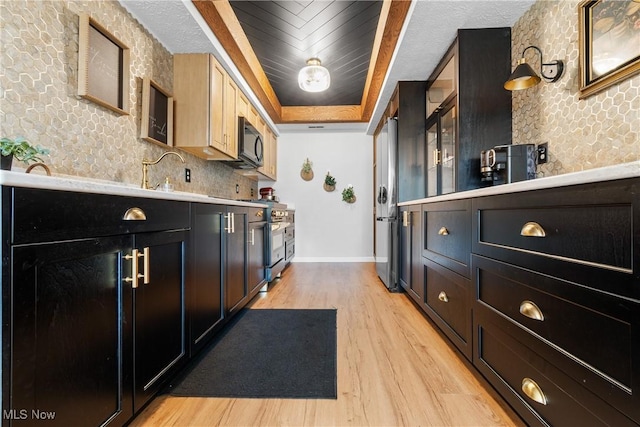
250	147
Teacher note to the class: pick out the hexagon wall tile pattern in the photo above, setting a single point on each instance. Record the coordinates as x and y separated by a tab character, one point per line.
601	130
39	101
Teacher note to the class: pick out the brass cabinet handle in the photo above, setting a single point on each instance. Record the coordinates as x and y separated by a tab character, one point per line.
531	310
442	296
443	231
135	254
147	261
436	157
533	391
228	227
259	214
532	229
134	214
405	219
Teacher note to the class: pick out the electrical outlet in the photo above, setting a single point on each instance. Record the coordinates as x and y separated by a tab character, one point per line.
187	175
543	152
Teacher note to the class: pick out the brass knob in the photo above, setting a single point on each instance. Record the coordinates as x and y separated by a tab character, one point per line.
532	229
533	391
442	296
443	231
531	310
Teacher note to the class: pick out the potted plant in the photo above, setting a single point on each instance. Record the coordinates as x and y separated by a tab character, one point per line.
20	149
307	172
348	195
329	182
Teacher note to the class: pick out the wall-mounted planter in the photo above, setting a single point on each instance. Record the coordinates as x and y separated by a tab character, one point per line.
329	182
307	170
348	195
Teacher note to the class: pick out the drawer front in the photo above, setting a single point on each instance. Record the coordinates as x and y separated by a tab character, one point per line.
290	249
447	234
539	391
582	233
448	303
600	235
595	329
47	215
289	233
256	214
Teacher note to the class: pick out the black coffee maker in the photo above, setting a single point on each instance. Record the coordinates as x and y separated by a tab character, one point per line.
508	163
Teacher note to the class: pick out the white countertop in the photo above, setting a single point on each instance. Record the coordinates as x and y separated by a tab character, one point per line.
609	173
87	185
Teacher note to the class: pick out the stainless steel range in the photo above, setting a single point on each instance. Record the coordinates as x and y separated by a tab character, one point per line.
277	221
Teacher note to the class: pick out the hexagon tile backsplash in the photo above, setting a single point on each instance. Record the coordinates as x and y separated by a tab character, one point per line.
601	130
39	101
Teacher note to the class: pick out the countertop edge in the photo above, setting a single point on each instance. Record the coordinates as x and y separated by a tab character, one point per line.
608	173
80	185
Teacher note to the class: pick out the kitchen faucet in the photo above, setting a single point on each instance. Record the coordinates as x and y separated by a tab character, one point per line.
147	163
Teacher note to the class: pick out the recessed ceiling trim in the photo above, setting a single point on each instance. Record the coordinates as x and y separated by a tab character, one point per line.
324	114
223	22
394	17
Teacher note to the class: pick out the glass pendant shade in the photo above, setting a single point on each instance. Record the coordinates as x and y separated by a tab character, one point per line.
523	77
314	77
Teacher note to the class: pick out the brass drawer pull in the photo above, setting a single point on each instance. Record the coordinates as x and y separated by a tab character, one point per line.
442	296
135	254
533	391
443	231
134	214
147	269
532	229
531	310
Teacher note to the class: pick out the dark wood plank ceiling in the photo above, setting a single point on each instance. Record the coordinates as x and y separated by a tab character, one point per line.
284	34
222	20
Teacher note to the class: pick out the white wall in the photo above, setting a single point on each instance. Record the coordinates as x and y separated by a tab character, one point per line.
328	229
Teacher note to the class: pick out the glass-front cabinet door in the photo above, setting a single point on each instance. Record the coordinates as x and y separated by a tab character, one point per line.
441	140
432	159
448	150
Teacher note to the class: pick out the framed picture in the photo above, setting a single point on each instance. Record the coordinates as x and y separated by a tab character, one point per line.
103	67
609	43
157	114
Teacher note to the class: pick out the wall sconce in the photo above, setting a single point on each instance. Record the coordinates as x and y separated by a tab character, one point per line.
314	77
523	77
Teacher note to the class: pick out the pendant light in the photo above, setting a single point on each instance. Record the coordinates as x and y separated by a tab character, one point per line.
314	77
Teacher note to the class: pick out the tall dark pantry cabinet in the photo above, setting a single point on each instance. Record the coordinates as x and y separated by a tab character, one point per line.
468	109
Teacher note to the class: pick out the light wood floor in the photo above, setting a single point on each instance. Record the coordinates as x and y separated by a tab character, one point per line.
394	369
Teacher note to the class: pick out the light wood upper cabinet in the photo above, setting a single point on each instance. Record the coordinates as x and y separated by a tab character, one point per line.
230	118
207	106
205	121
242	104
268	169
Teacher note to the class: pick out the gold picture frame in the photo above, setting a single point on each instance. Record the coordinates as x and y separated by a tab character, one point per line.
609	43
156	124
103	66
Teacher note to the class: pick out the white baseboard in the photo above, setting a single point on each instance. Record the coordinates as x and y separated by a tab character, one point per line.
333	259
